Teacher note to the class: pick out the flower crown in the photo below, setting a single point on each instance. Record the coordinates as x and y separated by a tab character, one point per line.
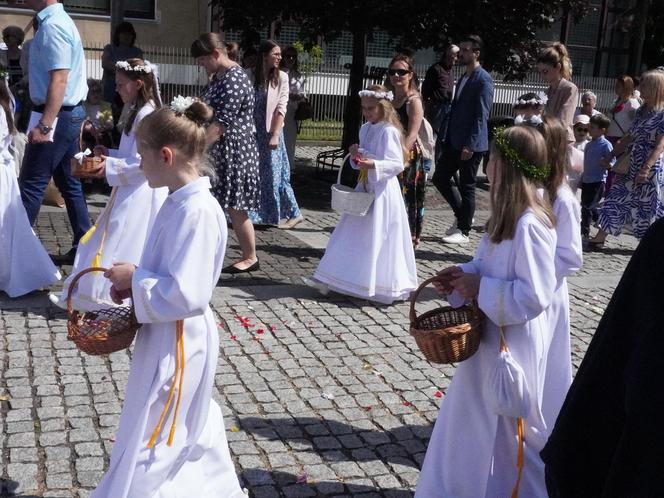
529	169
377	95
180	104
140	68
540	99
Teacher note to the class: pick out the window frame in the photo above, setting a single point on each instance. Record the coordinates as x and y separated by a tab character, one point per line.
83	14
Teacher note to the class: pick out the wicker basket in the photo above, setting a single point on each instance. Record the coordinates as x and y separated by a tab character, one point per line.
446	335
100	332
89	163
345	200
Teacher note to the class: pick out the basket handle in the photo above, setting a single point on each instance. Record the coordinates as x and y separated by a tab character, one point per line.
414	295
74	281
343	161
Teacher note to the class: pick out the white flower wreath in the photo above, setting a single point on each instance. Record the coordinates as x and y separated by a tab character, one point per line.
541	99
180	104
378	95
125	66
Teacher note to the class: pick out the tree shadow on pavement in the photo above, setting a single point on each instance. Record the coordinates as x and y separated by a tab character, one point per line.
8	489
340	442
261	482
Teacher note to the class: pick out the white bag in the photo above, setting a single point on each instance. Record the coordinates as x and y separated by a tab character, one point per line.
345	200
506	387
427	140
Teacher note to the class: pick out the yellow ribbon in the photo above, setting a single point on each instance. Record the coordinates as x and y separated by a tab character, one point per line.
177	381
519	456
106	215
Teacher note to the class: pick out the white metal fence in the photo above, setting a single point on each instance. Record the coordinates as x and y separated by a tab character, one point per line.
328	86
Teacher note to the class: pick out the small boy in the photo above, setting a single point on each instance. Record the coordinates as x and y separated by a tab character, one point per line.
580	128
594	172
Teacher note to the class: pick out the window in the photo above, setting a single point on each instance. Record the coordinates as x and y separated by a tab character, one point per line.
137	9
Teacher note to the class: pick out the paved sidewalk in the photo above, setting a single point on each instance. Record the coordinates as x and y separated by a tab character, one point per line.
322	396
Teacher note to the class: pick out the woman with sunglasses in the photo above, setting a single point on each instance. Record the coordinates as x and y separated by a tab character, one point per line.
402	80
296	82
555	67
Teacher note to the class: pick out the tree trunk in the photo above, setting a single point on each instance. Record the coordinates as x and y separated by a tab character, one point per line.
353	111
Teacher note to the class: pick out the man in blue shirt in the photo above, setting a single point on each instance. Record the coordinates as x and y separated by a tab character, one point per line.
58	85
467	139
594	171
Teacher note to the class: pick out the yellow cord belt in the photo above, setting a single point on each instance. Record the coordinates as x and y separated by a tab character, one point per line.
177	381
106	216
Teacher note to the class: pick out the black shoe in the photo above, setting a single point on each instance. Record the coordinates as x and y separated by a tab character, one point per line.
65	259
231	270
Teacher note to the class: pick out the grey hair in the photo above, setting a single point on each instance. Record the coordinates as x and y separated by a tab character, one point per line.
588	94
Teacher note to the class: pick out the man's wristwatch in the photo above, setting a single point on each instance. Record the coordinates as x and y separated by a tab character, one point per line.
43	129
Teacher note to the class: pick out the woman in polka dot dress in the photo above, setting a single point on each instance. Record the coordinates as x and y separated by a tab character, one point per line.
232	143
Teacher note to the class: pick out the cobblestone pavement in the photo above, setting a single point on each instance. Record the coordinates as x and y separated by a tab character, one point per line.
321	396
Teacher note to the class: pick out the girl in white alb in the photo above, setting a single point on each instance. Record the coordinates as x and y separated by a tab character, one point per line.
372	256
568	260
473	451
121	229
171	441
24	263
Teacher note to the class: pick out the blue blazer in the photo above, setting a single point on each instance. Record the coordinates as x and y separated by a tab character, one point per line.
470	113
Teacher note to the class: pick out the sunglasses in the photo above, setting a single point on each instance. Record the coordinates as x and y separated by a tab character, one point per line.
581	130
398	72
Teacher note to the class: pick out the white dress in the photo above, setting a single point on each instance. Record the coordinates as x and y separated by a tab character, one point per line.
372	256
473	452
568	260
24	263
174	280
123	225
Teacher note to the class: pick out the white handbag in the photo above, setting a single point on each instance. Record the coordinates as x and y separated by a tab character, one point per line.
506	388
345	200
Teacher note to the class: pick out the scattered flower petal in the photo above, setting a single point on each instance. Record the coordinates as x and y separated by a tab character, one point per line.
233	338
112	438
302	478
235	428
273	328
260	331
367	408
438	394
378	373
407	403
366	366
327	395
5	397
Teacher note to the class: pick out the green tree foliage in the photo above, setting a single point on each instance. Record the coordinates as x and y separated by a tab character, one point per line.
508	28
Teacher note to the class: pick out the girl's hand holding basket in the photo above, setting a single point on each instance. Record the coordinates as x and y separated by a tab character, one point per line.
120	276
444	278
467	285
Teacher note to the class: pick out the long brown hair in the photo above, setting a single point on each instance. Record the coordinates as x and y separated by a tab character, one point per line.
260	75
556	54
515	192
555	136
148	91
206	43
414	81
626	87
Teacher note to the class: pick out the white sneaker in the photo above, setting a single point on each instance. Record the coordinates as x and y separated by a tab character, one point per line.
314	284
452	229
456	238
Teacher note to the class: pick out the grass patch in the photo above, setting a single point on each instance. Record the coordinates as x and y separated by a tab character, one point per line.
321	130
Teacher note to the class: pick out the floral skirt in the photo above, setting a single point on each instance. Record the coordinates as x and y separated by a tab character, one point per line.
413	185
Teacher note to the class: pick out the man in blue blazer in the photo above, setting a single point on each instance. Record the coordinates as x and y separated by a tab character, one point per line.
467	139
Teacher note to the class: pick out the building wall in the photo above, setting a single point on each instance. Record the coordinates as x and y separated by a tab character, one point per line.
177	24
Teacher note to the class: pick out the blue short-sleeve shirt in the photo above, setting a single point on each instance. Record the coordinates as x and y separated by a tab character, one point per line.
57	45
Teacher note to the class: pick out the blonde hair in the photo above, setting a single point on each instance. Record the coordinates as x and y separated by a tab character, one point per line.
389	115
184	132
515	193
555	136
653	81
557	54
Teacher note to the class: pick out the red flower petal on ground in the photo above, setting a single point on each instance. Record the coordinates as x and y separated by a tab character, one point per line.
438	394
367	408
273	328
260	331
302	479
233	338
407	403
